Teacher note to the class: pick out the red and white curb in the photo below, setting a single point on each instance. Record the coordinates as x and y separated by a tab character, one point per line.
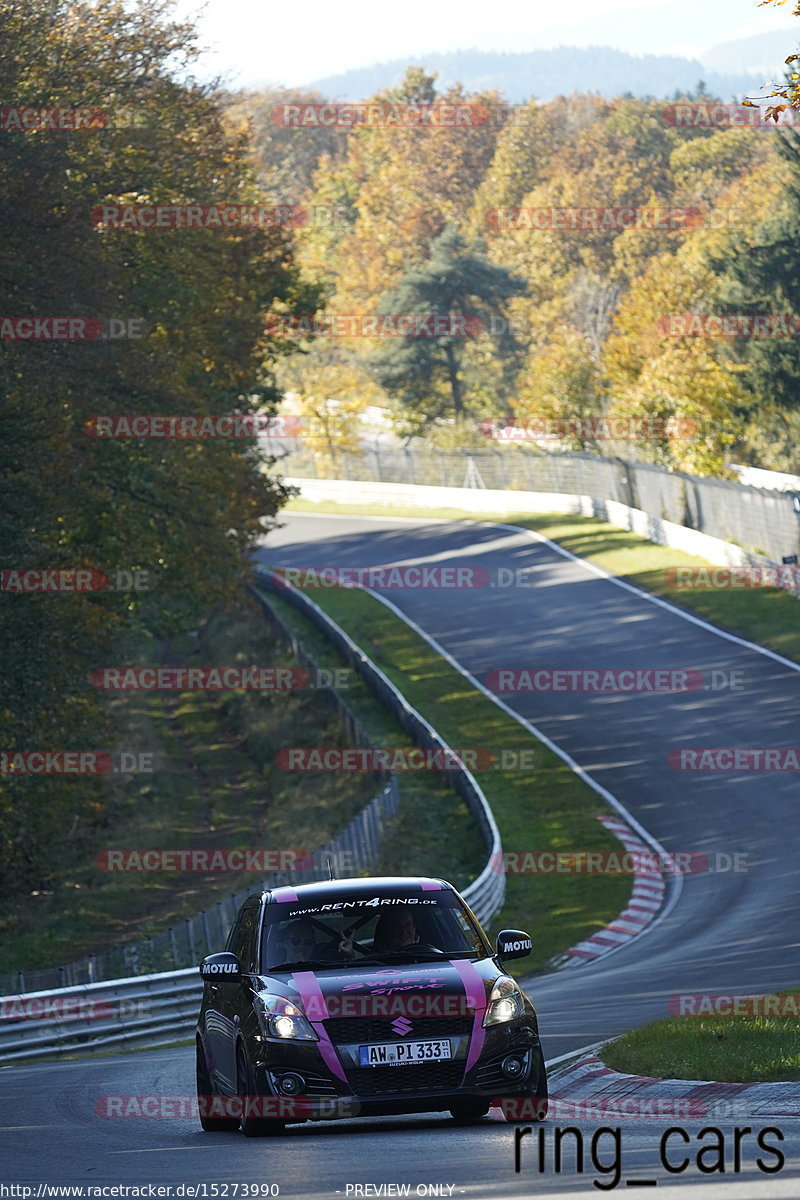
588	1090
644	904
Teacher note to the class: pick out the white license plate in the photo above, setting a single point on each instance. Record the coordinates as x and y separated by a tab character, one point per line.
403	1053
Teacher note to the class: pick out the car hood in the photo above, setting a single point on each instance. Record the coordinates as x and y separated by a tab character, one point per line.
418	988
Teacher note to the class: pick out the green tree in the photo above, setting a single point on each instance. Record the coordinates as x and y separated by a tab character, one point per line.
424	372
759	276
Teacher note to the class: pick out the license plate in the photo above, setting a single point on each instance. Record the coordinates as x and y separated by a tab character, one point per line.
403	1053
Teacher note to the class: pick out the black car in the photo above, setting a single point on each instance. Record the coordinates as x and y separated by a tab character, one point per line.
364	997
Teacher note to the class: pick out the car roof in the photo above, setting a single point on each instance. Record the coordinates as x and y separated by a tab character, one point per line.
341	889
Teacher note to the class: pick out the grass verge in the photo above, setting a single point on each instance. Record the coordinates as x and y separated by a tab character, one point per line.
547	808
427	803
728	1049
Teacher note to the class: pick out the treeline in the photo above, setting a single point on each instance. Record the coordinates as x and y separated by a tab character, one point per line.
181	513
591	316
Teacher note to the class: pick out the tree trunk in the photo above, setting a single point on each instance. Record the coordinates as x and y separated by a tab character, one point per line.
455	386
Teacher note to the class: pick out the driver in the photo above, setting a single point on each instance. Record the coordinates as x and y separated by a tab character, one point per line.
300	941
395	930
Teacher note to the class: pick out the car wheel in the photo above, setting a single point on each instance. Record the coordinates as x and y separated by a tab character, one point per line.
204	1091
469	1110
253	1125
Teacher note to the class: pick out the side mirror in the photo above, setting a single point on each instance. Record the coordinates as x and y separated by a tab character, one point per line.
513	943
217	967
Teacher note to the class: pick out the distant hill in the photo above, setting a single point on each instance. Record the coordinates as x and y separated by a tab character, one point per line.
565	69
759	53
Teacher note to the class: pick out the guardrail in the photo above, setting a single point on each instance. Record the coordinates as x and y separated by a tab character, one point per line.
156	1009
146	1010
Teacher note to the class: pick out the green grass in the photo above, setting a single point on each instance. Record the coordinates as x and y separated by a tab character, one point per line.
728	1049
548	808
768	616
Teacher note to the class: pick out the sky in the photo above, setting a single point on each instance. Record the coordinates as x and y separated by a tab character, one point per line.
254	42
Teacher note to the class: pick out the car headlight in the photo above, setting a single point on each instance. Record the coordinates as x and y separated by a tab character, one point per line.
505	1003
279	1018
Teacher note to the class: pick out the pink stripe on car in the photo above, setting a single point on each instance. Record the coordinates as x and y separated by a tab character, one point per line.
475	990
313	1000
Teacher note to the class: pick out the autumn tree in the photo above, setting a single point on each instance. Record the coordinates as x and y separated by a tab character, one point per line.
75	500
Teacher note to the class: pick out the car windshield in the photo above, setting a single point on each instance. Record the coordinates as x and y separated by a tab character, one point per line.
368	928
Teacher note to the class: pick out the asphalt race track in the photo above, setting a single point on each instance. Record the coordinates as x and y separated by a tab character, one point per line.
728	932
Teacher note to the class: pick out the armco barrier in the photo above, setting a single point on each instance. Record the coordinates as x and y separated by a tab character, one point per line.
146	1010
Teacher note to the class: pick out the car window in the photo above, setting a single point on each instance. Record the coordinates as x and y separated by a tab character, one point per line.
241	939
336	931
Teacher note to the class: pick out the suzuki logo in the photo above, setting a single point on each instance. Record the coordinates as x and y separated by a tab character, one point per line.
401	1025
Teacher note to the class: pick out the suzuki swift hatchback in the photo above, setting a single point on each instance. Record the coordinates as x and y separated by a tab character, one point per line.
364	997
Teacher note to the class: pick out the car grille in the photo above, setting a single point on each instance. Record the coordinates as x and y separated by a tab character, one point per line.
342	1030
319	1085
388	1081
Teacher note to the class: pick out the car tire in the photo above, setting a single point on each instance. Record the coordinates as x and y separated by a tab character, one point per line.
253	1125
204	1089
